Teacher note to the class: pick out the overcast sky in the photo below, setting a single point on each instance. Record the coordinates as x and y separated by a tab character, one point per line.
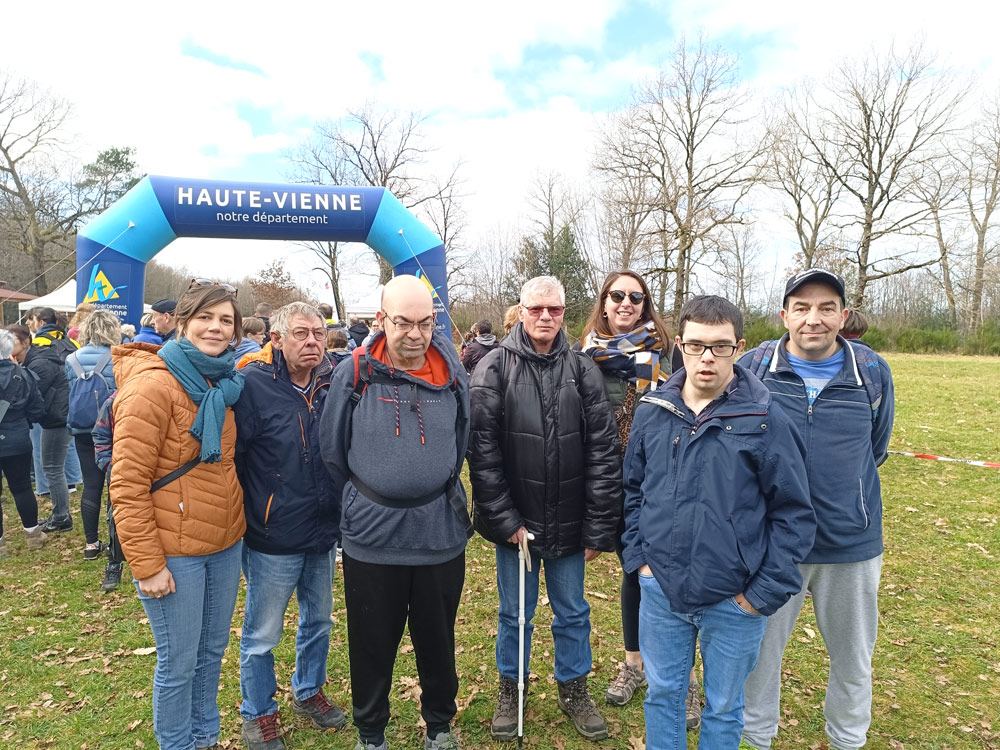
221	90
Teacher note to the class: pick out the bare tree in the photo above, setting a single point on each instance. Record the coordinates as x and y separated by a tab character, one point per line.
682	135
315	163
386	149
938	187
736	266
979	157
445	215
877	120
42	203
810	189
618	234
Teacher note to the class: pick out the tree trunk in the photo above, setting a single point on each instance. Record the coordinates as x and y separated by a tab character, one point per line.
976	311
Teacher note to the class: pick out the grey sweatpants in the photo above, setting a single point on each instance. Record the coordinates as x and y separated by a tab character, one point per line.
845	599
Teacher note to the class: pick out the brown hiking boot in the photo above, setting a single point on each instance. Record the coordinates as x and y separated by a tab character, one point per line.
504	724
263	733
35	539
692	706
623	687
576	703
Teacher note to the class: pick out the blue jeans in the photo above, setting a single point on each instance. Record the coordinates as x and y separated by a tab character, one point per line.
72	467
271	579
54	446
570	613
191	631
730	640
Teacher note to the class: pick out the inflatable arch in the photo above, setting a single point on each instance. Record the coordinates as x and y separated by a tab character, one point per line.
113	249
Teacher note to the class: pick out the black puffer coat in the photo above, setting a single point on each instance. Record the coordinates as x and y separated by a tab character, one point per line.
544	451
18	388
50	370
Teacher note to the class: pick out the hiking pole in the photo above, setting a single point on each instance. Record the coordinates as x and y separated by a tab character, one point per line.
524	561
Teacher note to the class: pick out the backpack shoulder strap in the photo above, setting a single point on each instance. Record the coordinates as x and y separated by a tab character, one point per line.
74	362
361	381
101	363
868	363
762	357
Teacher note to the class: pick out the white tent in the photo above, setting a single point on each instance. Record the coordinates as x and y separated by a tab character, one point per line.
365	305
62	299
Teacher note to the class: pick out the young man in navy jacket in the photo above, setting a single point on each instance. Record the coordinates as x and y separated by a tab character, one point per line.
840	395
717	515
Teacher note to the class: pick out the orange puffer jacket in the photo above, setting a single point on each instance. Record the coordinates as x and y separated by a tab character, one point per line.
197	514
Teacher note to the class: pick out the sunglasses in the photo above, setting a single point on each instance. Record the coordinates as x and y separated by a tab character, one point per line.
197	283
554	310
617	295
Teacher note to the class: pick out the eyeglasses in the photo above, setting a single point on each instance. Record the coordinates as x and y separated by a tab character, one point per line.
719	350
301	334
617	295
196	283
536	310
405	326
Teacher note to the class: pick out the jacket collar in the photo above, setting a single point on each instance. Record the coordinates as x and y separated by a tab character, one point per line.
744	394
519	343
441	343
848	373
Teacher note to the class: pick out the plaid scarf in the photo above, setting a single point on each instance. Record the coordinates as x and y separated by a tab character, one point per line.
634	356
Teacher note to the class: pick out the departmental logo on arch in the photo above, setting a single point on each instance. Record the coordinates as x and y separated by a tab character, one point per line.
101	289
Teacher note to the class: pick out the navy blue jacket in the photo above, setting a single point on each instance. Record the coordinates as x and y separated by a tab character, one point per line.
288	497
149	335
19	389
844	448
717	504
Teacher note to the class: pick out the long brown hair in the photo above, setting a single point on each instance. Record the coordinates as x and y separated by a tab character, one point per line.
199	298
599	323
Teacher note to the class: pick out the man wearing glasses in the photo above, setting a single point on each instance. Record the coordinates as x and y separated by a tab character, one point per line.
717	514
395	430
544	464
292	517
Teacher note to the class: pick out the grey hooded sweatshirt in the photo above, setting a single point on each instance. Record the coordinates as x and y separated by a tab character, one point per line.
403	440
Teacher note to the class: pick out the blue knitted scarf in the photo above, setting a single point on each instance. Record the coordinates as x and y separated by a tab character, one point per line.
193	368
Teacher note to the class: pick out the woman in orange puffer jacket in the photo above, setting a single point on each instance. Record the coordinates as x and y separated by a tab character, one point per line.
178	505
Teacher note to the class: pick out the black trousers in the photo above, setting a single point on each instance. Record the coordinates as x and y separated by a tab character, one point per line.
93	486
380	599
17	470
631	596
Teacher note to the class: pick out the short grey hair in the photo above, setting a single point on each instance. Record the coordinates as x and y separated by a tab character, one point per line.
101	328
541	286
282	319
6	343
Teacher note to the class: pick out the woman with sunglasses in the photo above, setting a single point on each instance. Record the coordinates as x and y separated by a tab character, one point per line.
629	341
178	505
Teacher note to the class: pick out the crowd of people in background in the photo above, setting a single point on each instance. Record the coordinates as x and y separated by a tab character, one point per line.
729	484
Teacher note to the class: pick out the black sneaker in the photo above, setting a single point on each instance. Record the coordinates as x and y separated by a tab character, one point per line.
92	553
112	576
52	524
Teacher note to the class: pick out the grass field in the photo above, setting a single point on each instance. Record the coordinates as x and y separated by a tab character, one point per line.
76	671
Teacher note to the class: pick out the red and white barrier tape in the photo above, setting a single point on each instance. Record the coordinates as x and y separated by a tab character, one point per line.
986	464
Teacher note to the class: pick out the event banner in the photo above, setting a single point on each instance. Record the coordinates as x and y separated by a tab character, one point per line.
112	251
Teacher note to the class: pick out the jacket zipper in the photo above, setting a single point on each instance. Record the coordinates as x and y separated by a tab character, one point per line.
864	509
